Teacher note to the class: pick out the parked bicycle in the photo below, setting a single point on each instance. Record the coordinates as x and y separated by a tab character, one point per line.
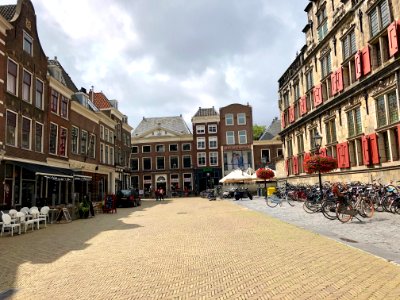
278	197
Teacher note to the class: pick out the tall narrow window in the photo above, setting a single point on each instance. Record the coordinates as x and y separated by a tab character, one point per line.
27	46
39	94
111	155
241	119
230	137
26	133
213	142
92	146
84	142
102	153
11	128
53	138
379	17
201	159
213	158
26	86
242	137
229	119
63	142
354	122
201	143
12	77
39	137
64	107
74	139
106	158
326	66
54	101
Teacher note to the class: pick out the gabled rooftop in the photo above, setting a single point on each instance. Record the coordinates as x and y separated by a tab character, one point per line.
64	77
100	100
206	112
8	11
273	130
174	124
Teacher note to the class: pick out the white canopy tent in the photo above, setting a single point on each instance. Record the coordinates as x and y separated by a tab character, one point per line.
237	176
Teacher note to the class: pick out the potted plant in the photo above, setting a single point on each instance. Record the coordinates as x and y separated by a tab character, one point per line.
322	164
266	174
83	208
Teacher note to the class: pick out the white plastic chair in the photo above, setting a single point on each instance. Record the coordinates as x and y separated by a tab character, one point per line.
33	221
20	218
13	214
8	224
33	208
44	214
25	210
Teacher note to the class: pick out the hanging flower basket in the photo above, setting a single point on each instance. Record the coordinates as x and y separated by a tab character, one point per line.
265	173
317	163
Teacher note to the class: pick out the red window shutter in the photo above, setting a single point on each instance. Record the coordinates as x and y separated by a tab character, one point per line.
323	152
366	60
303	105
346	156
357	60
393	38
339	157
373	138
295	165
339	80
365	150
333	84
283	120
317	95
291	114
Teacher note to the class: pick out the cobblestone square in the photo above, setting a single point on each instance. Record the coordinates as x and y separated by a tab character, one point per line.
189	248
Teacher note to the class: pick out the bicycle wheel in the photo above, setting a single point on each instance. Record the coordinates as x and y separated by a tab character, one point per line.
343	212
367	207
312	205
328	209
289	200
272	201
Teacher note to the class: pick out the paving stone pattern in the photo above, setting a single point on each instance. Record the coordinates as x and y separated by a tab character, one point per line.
379	235
189	249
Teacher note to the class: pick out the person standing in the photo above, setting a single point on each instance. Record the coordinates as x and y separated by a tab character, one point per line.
161	193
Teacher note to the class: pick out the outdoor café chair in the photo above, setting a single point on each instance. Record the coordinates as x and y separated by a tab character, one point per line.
44	214
8	224
33	221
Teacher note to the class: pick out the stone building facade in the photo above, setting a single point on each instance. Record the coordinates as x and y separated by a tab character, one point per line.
344	84
49	131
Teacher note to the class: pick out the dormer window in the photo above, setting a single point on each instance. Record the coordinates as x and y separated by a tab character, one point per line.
28	44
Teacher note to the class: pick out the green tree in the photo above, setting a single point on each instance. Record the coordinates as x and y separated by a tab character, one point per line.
258	131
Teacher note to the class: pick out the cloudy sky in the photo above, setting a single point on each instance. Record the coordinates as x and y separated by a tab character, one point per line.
170	57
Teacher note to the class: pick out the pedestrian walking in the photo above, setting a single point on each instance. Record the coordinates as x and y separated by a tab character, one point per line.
161	194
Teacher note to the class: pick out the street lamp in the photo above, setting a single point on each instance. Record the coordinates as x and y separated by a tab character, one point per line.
317	143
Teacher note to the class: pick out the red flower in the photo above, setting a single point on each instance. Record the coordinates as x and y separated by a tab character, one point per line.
323	164
265	173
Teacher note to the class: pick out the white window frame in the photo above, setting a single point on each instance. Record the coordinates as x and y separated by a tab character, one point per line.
146	146
27	97
213	155
230	134
138	164
29	133
187	144
77	140
183	161
241	135
102	132
41	138
239	117
56	146
229	117
15	79
200	129
201	155
39	94
212	128
28	39
111	154
212	140
66	141
106	134
269	154
201	143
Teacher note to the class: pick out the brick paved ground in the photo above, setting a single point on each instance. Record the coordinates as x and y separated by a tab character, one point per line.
189	249
379	235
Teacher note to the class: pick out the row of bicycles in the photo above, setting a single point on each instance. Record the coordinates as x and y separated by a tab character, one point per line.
341	201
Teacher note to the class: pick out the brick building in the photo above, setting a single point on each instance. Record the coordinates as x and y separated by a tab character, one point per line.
206	141
236	137
162	156
52	135
344	84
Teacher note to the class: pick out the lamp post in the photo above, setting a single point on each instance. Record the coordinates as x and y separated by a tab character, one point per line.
317	143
